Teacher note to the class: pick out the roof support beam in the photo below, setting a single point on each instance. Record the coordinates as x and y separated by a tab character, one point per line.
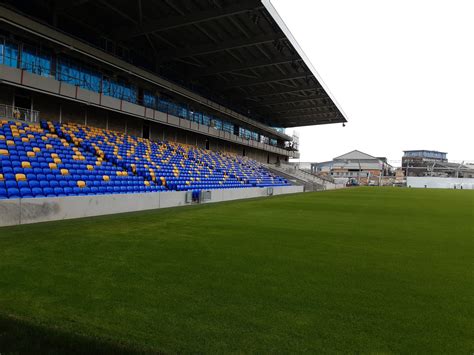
170	55
248	65
266	79
188	19
297	117
284	90
281	101
308	122
67	5
307	108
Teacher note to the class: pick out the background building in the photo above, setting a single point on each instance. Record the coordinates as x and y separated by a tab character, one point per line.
433	163
355	165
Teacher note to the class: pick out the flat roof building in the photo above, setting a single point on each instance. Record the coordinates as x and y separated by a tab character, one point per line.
425	154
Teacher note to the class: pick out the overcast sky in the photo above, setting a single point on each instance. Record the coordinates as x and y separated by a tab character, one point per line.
402	71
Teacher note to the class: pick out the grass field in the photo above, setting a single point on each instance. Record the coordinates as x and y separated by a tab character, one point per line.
370	270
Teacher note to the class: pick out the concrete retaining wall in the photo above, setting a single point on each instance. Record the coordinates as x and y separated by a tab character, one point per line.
34	210
440	183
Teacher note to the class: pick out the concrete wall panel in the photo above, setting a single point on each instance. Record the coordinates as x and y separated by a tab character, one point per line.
149	113
10	74
440	182
194	126
40	82
203	129
49	209
10	213
33	210
184	123
67	90
172	199
111	102
133	108
161	116
88	96
173	120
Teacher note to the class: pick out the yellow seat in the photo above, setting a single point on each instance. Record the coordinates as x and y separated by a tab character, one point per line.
30	154
64	172
25	165
90	167
4	152
25	140
54	155
52	166
81	184
147	183
36	149
105	178
20	177
2	137
11	143
1	177
57	161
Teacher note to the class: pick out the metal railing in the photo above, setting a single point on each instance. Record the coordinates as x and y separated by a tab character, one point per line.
17	113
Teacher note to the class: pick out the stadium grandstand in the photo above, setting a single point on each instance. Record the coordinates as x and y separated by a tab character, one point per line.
149	202
114	97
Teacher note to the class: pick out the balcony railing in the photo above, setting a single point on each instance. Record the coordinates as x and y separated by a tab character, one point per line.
17	113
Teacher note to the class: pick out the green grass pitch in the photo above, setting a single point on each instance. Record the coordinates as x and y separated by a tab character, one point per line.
364	270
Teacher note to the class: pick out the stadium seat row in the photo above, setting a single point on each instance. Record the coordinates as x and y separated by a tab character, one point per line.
69	160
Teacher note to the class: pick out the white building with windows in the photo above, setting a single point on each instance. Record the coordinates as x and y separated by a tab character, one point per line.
354	165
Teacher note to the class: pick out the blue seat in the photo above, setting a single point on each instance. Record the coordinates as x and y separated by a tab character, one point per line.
10	184
22	184
13	192
37	192
49	192
26	192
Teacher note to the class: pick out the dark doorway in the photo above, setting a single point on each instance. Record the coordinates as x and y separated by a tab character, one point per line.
146	131
207	144
243	152
23	101
268	158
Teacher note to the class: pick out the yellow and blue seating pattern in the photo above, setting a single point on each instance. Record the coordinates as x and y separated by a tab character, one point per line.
73	160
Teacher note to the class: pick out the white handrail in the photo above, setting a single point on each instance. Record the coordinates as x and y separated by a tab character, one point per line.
18	113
